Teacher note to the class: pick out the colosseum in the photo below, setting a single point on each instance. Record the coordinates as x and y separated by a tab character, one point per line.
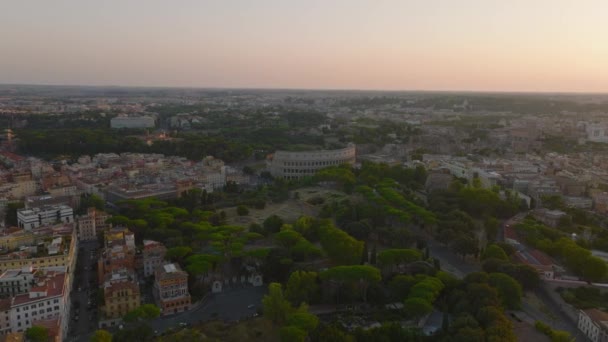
294	165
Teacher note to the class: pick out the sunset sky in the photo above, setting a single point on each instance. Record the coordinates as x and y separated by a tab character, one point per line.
487	45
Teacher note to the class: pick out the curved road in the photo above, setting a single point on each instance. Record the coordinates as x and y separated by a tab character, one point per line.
460	268
231	305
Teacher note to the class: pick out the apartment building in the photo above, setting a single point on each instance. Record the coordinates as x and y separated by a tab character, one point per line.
121	294
5	316
32	218
13	282
48	299
171	289
60	253
92	223
594	324
117	276
16	239
153	256
16	281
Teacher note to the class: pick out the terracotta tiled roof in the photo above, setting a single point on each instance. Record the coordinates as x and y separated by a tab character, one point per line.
53	326
542	258
5	304
122	285
597	315
53	286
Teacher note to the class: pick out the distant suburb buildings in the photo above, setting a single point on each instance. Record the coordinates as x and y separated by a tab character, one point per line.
294	165
597	132
135	121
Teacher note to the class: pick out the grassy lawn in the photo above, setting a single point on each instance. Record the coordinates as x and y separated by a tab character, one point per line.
585	297
288	210
257	329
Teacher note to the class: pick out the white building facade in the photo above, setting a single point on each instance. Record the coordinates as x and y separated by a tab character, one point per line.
13	282
48	299
597	132
594	324
41	216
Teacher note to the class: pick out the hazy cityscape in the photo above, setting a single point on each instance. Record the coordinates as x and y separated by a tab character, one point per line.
304	171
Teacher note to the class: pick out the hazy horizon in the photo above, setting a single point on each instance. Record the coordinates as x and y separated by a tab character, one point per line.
295	89
468	46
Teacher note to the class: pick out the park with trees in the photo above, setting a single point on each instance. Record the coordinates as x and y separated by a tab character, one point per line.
365	253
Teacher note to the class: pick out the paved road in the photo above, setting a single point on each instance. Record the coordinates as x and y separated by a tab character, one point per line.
555	306
459	268
450	262
230	305
83	290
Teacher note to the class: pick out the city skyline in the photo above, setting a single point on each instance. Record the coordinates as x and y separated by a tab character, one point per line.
545	46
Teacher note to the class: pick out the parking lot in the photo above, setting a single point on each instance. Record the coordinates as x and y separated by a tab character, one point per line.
231	305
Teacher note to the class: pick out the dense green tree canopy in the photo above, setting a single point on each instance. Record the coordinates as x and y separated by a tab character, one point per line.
145	312
37	334
275	307
495	252
360	276
398	256
292	333
339	246
301	287
303	320
101	336
417	307
508	288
